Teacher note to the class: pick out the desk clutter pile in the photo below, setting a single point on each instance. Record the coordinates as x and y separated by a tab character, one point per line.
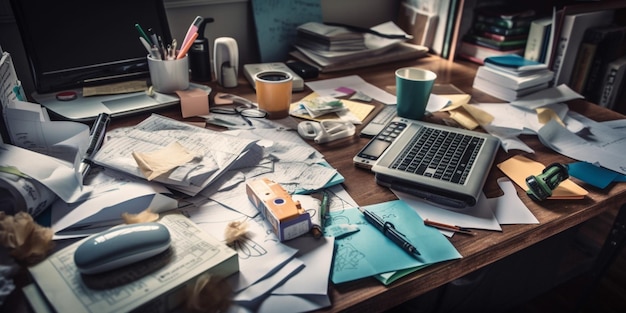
196	182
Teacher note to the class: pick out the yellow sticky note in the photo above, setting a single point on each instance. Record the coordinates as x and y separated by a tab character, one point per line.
155	163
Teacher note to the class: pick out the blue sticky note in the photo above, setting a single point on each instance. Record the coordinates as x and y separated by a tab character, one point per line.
594	175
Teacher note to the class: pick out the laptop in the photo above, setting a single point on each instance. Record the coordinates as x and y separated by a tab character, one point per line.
444	165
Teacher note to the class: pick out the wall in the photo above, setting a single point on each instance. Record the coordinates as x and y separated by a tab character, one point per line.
233	18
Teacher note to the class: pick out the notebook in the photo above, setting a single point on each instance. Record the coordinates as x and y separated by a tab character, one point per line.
444	165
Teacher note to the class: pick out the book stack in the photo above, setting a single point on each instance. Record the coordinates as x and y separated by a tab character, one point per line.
510	77
496	31
334	48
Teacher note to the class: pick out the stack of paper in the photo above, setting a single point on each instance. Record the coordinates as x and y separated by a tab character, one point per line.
318	36
510	77
378	49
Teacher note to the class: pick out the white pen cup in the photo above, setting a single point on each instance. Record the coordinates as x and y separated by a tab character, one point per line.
169	76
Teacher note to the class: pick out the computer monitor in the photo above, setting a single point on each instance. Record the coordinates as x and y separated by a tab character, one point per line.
76	43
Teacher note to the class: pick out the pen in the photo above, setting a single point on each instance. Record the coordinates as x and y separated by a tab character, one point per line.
193	28
324	208
447	227
147	46
141	32
96	138
389	230
186	46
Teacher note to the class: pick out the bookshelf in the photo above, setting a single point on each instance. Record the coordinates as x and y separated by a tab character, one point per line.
563	49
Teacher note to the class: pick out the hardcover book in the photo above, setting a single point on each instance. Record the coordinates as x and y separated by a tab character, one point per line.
608	45
538	37
613	84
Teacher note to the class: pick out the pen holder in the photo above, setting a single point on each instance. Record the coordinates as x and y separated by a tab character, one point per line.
168	76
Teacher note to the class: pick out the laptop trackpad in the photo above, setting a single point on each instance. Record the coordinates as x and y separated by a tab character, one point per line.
130	103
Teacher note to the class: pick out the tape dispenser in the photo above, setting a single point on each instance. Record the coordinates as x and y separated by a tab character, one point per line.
326	130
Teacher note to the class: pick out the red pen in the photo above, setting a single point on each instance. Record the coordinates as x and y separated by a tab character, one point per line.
447	227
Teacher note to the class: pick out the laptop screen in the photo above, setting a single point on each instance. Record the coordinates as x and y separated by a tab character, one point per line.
76	43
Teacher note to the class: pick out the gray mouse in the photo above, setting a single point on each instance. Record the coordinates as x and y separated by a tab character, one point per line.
121	246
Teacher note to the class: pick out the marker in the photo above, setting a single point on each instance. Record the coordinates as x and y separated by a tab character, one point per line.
185	48
193	28
447	227
142	33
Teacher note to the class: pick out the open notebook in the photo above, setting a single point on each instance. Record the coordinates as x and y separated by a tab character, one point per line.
444	165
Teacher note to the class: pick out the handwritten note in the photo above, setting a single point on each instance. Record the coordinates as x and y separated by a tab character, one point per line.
276	22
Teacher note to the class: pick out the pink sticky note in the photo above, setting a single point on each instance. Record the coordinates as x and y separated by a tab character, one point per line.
345	90
193	102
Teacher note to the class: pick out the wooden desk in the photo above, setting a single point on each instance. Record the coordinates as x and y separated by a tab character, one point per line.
487	247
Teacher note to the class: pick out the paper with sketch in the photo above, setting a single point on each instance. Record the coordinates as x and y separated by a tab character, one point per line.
518	167
332	88
30	128
260	253
57	175
263	254
369	252
308	287
596	146
217	151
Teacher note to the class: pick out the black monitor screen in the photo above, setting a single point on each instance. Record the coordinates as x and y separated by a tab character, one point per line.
75	43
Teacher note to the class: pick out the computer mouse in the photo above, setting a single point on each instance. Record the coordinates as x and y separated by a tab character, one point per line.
121	246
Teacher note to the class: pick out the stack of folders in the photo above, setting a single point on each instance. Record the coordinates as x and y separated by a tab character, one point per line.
333	48
510	77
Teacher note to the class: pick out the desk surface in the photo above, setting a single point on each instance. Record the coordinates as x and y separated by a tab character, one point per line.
478	251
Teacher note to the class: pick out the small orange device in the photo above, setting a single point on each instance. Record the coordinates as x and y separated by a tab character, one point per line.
287	217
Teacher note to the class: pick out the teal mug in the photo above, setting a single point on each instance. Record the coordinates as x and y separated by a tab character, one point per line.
413	88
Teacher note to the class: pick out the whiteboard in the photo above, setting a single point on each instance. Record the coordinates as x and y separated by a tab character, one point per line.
276	22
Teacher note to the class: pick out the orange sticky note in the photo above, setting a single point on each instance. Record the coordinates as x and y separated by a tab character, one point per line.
517	168
193	102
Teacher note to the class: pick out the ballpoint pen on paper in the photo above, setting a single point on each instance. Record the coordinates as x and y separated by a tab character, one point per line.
193	28
96	138
447	227
390	231
324	208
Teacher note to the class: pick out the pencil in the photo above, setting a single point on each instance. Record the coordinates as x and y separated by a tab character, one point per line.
447	227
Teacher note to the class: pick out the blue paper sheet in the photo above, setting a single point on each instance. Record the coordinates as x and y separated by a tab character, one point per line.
368	252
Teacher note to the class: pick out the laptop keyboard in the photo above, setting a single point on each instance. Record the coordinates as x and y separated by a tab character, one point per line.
439	154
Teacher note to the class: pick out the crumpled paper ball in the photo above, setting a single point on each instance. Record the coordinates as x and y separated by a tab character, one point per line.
27	241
